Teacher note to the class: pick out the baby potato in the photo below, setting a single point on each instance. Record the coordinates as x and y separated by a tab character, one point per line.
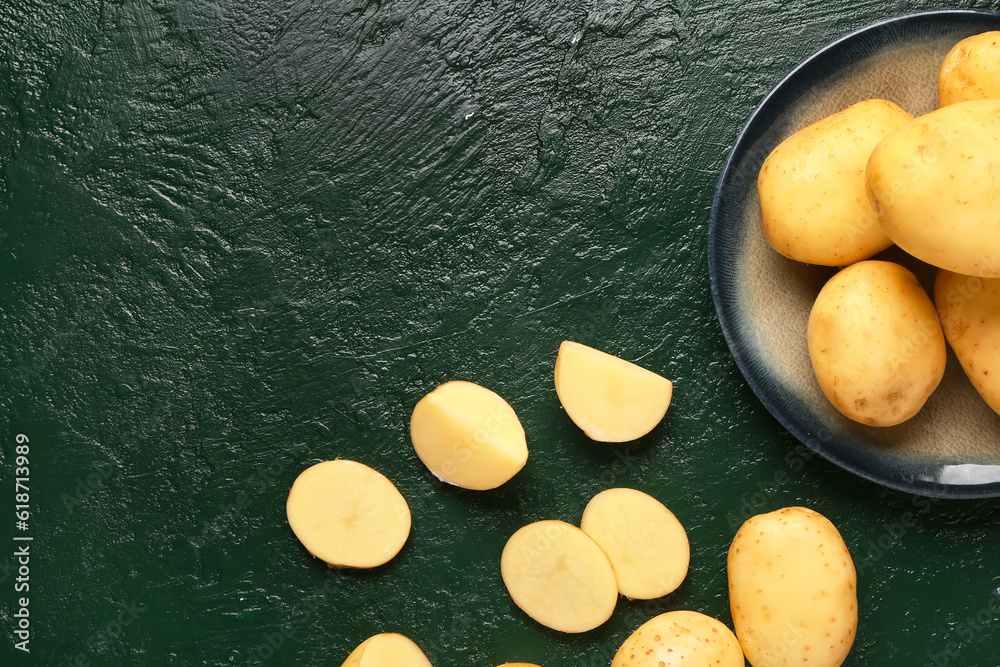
933	182
792	590
812	187
971	70
388	649
875	343
970	315
680	639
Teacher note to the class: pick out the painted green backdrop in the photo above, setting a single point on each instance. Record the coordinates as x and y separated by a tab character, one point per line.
240	236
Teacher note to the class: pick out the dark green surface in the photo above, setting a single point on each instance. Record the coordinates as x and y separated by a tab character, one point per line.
240	237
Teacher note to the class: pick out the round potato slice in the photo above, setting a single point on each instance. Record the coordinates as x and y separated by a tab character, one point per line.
680	639
348	514
519	664
559	576
646	544
388	649
468	436
971	70
611	399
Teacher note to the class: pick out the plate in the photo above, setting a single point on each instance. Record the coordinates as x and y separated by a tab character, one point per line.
952	447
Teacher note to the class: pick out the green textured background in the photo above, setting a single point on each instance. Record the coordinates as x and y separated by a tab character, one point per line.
237	237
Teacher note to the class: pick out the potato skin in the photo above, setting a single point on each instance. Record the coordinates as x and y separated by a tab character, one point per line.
933	184
792	590
812	188
971	70
969	308
680	639
875	343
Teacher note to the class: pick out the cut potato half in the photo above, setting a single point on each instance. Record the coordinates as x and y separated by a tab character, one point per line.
348	514
468	436
646	544
388	649
611	399
559	576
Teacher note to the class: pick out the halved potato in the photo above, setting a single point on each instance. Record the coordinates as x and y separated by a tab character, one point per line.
611	399
388	649
646	544
559	576
468	436
348	514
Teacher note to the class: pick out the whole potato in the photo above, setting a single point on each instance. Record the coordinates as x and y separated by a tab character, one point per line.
792	590
970	315
680	639
812	187
875	343
934	184
971	70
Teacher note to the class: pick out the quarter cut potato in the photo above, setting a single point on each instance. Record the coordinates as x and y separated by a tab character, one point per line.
970	314
646	544
388	649
468	436
792	590
812	187
611	399
558	576
348	514
875	343
680	639
971	70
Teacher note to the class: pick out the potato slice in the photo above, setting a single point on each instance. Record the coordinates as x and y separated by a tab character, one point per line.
388	649
611	399
348	514
646	544
519	664
680	639
559	576
468	436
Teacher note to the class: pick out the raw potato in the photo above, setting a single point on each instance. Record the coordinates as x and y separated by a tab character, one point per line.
792	590
559	576
934	184
812	187
468	436
611	399
646	544
971	70
875	343
680	639
970	314
387	650
348	514
518	664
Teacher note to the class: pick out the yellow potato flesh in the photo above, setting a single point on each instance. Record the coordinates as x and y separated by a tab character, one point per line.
792	590
646	544
611	399
875	343
971	70
387	650
813	199
970	315
934	184
559	576
680	639
348	514
468	436
518	664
